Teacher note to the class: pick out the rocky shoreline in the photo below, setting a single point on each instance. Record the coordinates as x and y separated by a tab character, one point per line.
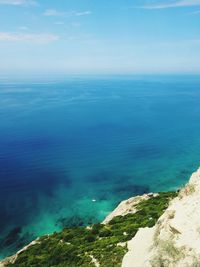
169	240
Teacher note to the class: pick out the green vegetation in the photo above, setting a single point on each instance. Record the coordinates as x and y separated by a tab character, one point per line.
76	247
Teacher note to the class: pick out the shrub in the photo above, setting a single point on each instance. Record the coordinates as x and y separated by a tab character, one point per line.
90	238
101	241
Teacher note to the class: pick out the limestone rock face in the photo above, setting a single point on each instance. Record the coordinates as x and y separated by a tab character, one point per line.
128	206
175	239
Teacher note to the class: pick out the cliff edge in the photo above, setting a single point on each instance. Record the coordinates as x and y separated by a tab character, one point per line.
174	241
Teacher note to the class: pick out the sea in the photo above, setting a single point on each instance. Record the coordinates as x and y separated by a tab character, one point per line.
72	148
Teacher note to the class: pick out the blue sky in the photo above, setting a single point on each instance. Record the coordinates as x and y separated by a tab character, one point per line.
93	36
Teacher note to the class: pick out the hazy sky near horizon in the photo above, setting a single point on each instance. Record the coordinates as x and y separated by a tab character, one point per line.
92	36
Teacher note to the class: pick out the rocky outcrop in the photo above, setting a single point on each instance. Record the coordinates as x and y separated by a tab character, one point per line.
128	206
13	258
175	239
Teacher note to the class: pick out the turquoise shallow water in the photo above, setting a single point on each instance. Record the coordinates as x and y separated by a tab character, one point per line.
71	149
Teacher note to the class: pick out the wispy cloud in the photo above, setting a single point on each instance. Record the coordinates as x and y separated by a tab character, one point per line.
18	2
85	13
56	13
53	13
174	4
28	37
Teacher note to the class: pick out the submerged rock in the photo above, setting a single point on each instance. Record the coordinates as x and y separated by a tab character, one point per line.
12	237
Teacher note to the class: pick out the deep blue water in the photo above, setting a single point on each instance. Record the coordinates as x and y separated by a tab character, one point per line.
71	149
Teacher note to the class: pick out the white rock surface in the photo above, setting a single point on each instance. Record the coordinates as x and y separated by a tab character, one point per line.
175	239
138	249
127	206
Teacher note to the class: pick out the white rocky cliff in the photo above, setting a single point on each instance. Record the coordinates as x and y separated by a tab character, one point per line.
175	239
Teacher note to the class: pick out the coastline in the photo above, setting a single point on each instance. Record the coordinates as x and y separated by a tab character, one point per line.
170	238
106	241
